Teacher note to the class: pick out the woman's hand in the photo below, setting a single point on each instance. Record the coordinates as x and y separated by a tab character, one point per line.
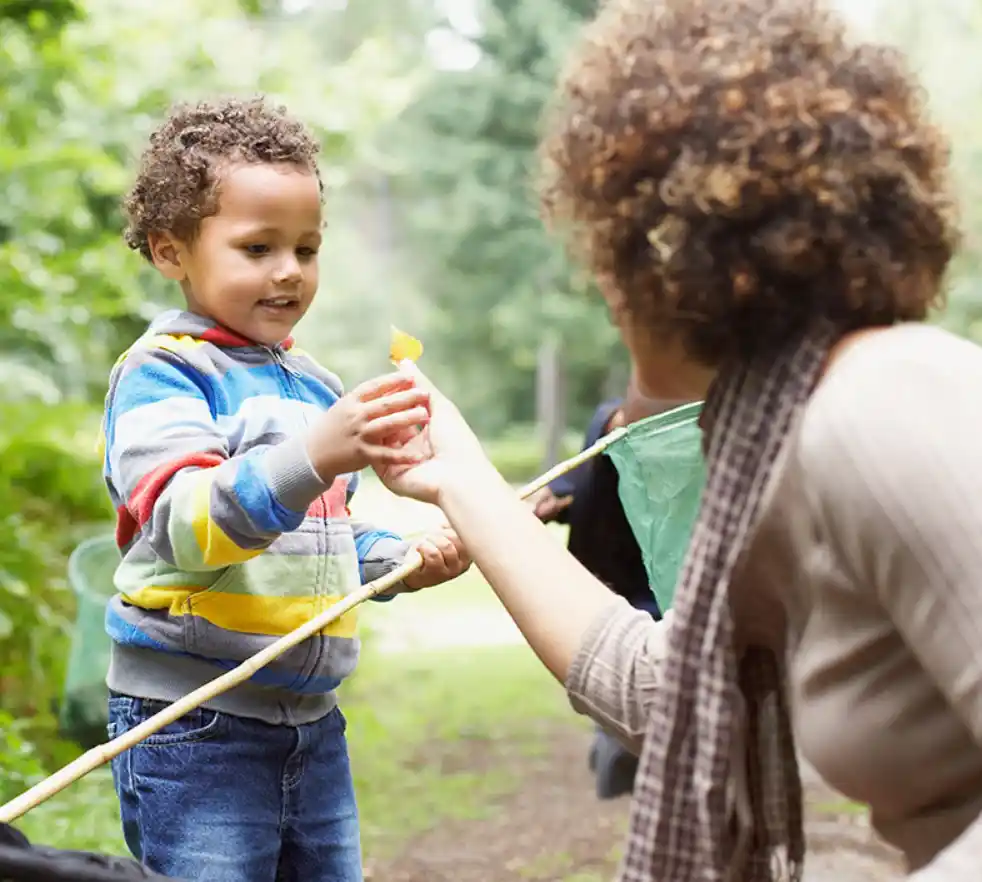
528	569
446	448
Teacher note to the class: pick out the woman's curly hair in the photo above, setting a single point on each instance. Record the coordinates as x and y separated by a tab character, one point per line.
734	169
178	181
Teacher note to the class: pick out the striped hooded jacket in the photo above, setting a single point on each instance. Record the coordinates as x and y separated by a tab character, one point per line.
229	539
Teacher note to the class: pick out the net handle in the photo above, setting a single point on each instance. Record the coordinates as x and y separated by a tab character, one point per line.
101	754
557	471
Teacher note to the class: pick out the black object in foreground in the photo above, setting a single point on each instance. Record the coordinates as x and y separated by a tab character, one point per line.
22	862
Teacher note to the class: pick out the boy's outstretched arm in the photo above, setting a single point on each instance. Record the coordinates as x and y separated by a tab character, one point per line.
169	463
379	553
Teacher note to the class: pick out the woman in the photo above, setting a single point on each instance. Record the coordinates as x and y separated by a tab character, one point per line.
766	209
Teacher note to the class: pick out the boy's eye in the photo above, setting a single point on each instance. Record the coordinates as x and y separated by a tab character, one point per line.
257	250
306	251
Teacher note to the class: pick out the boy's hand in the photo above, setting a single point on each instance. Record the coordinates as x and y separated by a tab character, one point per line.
444	558
355	431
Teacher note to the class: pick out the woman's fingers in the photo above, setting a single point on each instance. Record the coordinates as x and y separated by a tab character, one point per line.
387	384
386	457
396	424
394	402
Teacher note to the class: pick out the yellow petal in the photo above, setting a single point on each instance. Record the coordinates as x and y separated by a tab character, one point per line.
403	346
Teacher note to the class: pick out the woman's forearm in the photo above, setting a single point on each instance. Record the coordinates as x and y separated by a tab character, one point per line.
550	595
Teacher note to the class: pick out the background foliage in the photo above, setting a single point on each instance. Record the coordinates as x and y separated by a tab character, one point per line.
429	114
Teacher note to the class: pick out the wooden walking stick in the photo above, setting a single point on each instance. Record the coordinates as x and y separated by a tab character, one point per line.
104	753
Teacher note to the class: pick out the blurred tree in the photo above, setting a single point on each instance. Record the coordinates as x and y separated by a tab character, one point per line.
940	42
81	84
50	216
467	213
35	12
400	24
364	288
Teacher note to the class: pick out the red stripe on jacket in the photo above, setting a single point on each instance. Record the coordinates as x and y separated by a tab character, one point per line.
333	503
225	337
151	485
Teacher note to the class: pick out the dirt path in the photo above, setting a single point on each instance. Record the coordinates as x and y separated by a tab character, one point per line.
842	847
555	830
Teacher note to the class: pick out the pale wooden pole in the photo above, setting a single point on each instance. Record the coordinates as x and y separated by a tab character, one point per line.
104	753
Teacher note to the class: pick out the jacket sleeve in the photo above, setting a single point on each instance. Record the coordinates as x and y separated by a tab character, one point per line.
618	670
169	463
379	553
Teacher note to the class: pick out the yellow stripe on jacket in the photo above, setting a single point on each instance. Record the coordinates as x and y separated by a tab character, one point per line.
246	613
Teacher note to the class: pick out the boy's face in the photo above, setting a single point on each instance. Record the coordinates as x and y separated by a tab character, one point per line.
253	265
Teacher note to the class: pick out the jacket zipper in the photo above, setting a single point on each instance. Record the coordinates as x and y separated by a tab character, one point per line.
315	647
277	356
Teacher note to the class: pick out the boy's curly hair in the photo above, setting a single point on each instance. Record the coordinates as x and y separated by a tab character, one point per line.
177	184
735	169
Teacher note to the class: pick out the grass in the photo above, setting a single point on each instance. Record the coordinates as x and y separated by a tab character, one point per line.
840	808
411	720
411	717
549	866
85	816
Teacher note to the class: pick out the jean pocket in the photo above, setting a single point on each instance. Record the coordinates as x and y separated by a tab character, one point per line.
200	724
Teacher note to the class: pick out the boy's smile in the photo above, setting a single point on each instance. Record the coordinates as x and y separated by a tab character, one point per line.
252	267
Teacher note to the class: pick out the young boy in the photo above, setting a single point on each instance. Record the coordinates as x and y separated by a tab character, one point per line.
231	456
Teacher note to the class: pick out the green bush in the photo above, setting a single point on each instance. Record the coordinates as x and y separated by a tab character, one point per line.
518	454
20	767
51	495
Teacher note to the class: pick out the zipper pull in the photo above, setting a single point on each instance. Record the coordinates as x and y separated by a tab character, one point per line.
280	359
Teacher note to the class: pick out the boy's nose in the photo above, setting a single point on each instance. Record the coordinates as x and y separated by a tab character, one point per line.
288	271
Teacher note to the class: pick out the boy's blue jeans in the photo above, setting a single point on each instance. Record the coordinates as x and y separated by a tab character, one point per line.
218	798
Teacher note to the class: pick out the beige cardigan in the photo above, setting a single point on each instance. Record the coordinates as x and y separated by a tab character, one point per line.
867	570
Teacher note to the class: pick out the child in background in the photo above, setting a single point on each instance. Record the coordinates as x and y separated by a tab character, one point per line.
601	539
231	456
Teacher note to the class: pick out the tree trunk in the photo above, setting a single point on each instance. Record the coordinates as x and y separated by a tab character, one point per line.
551	401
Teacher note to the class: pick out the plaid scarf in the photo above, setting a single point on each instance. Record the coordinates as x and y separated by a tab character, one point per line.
715	707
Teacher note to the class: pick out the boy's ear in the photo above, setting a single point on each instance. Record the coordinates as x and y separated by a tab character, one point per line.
167	253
